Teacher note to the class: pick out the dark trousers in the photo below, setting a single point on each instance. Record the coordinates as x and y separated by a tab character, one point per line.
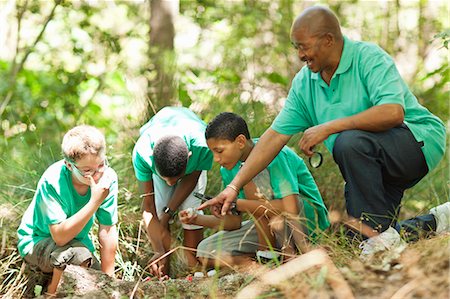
378	167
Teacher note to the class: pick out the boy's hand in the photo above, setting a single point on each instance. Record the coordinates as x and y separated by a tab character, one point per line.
100	190
157	265
188	216
224	199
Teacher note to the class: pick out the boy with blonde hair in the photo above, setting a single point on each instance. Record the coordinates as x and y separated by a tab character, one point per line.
54	231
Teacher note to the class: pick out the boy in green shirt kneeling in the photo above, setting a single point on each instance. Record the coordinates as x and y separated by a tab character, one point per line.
54	231
284	191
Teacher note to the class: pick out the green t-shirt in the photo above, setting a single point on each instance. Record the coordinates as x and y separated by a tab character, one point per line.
289	175
56	200
177	121
366	77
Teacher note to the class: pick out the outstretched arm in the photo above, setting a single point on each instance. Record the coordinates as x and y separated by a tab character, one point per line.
229	222
268	146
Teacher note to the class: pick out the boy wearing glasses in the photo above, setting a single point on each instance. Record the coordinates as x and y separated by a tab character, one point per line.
54	231
170	161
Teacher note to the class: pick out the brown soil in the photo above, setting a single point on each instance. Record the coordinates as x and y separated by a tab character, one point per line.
422	271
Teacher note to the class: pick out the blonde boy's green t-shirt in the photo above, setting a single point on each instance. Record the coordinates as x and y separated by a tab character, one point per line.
366	76
56	200
178	121
289	175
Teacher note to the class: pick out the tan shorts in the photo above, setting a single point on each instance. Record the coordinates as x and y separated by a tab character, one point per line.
164	192
46	255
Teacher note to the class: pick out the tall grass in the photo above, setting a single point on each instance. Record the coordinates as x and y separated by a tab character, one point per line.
22	164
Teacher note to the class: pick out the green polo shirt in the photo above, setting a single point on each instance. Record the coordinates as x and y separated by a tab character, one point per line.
177	121
56	200
289	175
366	77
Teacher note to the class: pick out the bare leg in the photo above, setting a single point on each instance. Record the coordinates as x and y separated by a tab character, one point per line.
361	227
56	277
266	238
227	261
191	240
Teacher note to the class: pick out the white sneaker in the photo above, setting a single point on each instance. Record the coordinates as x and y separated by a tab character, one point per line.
389	240
442	215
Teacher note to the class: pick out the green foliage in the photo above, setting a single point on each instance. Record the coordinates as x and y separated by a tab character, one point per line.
83	69
444	37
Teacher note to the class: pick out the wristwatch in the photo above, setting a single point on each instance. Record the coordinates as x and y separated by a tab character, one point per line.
233	208
167	210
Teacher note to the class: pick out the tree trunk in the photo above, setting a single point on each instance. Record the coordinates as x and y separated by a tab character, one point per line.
162	85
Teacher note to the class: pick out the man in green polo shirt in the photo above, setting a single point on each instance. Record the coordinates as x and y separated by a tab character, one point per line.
170	161
352	97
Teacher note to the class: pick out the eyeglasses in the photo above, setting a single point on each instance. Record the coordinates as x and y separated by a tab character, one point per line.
304	48
92	172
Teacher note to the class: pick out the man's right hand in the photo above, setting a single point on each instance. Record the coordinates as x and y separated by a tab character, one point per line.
224	199
100	190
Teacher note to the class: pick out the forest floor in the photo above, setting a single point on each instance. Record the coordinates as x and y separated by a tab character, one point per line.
420	271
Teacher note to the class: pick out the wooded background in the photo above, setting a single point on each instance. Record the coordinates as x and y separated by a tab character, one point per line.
112	64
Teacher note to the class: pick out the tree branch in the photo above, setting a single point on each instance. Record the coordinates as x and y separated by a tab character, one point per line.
18	67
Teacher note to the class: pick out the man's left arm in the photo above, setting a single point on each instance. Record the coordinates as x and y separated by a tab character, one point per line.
385	89
107	236
375	119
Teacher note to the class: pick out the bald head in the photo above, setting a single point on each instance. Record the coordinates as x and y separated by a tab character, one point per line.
318	20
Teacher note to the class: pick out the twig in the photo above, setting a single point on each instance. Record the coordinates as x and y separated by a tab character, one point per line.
302	263
3	242
407	288
17	68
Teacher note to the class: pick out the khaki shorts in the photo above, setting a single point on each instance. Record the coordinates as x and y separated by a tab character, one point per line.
46	255
164	192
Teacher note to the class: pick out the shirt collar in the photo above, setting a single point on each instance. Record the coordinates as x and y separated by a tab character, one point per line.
344	63
346	56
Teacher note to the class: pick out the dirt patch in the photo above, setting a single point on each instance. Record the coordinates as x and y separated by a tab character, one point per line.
421	271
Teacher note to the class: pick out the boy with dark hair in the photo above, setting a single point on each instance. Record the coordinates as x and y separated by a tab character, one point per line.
284	190
54	231
170	161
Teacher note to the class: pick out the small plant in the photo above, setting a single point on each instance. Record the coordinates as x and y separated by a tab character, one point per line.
37	290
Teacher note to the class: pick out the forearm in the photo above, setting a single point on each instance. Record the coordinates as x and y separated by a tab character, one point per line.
375	119
228	222
266	238
64	232
108	247
155	231
268	146
152	225
183	190
260	207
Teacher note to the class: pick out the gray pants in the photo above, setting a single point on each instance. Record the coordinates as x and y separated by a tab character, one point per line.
230	243
46	255
242	241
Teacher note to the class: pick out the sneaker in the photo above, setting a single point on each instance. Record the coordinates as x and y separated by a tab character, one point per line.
389	240
442	215
265	256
